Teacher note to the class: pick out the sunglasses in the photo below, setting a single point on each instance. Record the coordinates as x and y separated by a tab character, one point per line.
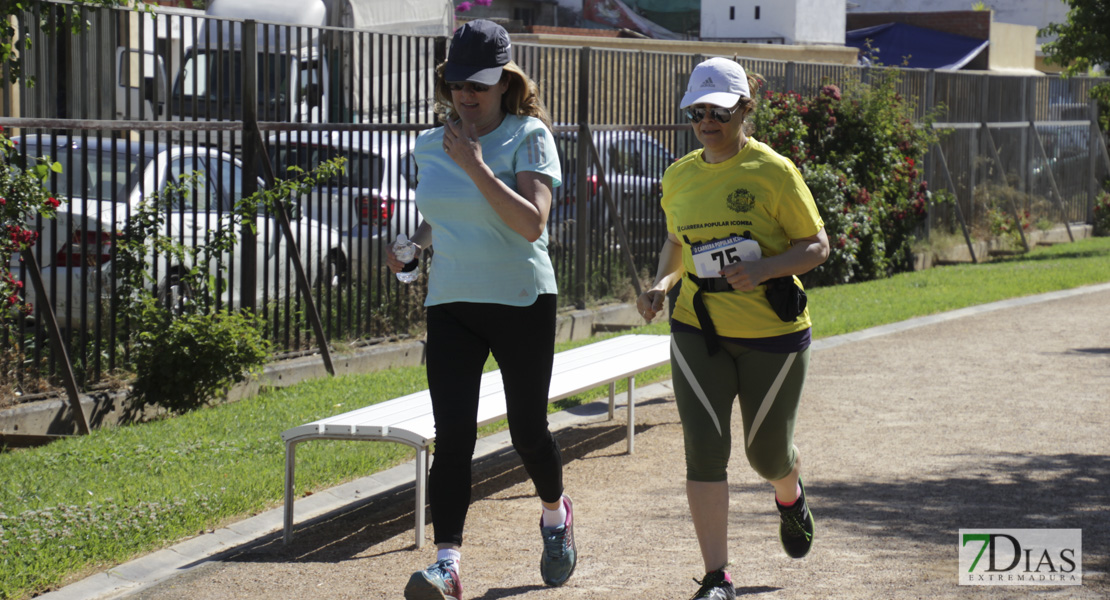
720	115
458	86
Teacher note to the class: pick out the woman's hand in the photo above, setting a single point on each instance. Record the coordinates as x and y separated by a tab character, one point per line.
746	275
391	259
460	142
804	255
650	303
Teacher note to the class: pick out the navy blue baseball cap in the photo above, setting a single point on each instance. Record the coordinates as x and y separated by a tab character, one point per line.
479	50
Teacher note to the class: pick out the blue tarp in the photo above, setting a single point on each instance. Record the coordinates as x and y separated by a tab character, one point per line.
895	44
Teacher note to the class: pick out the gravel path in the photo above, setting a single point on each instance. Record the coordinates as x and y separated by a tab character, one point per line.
996	419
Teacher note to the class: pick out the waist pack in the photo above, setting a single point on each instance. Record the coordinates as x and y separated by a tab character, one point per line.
786	298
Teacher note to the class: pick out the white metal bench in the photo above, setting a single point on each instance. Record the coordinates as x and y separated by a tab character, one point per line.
408	419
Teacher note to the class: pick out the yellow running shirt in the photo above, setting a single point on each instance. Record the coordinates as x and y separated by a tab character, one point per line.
756	194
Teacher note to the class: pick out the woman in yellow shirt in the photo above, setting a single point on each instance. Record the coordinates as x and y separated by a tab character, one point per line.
741	224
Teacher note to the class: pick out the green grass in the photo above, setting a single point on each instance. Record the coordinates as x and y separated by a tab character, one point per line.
87	503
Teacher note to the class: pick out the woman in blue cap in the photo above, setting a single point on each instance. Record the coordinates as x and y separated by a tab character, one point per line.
741	224
485	190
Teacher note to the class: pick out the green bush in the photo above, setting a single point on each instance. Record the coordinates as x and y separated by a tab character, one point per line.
859	150
185	361
187	351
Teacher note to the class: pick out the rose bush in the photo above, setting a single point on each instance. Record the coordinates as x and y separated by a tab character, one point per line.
859	151
22	197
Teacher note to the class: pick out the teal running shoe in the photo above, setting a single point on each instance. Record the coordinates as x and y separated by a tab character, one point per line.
796	526
559	552
717	585
438	582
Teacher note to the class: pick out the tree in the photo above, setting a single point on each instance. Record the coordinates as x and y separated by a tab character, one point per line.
1083	42
14	38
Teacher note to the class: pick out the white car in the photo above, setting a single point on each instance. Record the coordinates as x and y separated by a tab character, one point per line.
103	182
372	201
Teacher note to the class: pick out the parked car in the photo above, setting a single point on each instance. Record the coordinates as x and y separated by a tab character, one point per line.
372	201
104	181
632	166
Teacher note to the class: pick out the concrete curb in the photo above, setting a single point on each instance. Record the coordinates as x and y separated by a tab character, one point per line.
54	416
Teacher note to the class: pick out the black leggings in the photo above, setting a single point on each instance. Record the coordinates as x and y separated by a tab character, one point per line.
461	336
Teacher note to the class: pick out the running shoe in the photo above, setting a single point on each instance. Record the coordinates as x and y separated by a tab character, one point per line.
559	553
438	582
796	526
717	585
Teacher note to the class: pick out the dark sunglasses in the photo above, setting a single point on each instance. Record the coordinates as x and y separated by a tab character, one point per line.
458	86
720	115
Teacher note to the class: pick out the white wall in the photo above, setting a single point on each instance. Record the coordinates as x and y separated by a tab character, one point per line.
796	21
776	19
1037	13
821	21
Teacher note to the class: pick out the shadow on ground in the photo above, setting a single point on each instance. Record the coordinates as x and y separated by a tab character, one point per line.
344	534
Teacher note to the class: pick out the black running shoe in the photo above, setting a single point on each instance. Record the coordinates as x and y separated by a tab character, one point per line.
796	526
716	585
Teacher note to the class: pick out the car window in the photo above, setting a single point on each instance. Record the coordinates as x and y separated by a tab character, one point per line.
90	173
568	152
361	170
655	159
639	157
230	181
198	194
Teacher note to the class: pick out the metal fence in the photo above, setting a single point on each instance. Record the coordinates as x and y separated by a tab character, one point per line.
141	99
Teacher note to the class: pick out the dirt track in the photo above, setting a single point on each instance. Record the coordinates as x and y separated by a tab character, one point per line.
994	420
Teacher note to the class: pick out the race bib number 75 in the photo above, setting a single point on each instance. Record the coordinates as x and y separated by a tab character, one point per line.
711	257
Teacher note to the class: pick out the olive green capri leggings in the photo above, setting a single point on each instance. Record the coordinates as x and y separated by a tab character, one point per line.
770	387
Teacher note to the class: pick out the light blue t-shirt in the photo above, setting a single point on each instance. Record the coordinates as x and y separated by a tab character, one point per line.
477	257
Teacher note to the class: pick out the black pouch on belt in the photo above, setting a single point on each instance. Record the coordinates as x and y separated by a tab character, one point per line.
708	331
786	298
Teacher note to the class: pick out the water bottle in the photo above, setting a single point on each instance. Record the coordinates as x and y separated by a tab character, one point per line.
405	251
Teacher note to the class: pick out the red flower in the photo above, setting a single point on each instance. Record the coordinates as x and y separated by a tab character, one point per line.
53	203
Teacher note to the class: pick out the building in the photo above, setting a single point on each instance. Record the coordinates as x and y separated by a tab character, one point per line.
1034	14
780	22
1004	48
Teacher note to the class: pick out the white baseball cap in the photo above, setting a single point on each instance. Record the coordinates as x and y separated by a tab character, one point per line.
717	81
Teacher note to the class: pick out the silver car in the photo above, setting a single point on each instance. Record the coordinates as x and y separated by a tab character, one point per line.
104	181
372	201
632	166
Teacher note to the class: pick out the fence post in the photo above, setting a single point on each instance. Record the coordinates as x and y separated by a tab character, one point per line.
440	51
248	258
1093	139
57	342
930	166
582	209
